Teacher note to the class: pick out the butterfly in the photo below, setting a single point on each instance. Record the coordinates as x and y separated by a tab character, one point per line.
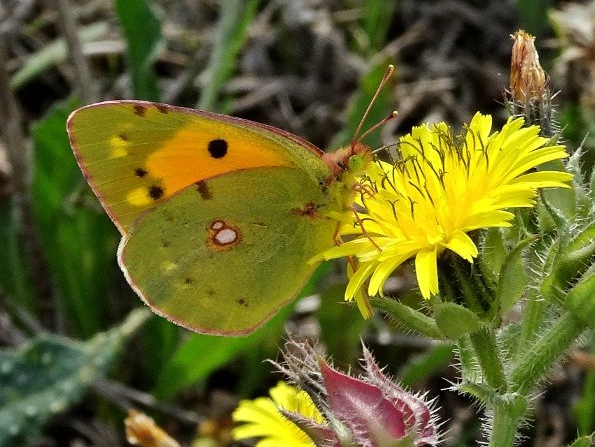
219	216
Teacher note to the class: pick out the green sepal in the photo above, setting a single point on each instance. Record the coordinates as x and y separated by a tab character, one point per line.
493	253
580	302
454	320
408	317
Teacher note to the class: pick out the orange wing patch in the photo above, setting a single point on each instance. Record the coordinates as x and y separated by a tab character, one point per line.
196	153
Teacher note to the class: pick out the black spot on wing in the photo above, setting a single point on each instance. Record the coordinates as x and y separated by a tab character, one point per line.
123	136
217	148
139	110
203	190
140	172
155	192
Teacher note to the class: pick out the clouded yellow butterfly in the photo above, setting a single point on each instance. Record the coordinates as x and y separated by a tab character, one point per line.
219	216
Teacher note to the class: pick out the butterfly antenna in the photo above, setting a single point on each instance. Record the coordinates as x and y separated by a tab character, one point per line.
380	123
387	74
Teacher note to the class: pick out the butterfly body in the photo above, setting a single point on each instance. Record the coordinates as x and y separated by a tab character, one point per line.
219	216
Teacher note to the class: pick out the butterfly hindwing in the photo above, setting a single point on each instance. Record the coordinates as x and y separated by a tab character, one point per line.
223	255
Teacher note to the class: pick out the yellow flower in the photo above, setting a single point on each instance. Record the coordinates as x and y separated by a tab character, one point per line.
441	188
262	418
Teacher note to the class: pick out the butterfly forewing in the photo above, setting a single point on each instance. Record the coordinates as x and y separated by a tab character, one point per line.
138	154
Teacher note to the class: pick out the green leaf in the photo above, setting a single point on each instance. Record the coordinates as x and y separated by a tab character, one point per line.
196	359
159	338
52	54
512	281
493	254
200	355
50	374
360	102
560	204
534	15
584	441
344	345
377	18
572	258
584	408
426	365
232	29
15	276
78	243
142	30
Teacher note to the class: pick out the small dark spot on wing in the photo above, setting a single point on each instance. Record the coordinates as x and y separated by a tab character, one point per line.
203	190
218	148
308	210
140	172
155	192
139	110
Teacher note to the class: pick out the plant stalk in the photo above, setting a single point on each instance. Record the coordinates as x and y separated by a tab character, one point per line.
533	366
488	355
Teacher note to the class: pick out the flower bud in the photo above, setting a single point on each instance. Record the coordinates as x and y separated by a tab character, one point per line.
141	430
528	81
334	409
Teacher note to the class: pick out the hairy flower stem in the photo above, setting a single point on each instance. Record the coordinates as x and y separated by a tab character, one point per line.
532	320
507	412
467	360
488	355
533	365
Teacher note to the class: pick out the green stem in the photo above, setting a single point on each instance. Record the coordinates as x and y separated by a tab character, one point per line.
467	357
488	355
507	411
532	320
531	368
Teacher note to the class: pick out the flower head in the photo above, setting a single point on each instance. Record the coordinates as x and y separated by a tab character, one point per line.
368	411
442	187
264	417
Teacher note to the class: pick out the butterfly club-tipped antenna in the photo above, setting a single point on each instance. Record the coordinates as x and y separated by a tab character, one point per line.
357	137
339	160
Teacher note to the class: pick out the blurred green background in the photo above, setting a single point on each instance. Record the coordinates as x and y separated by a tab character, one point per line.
79	350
